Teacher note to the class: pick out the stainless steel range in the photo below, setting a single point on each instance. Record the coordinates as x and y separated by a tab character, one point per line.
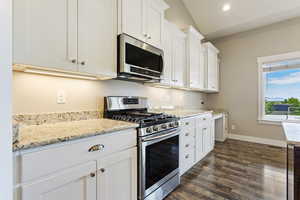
158	144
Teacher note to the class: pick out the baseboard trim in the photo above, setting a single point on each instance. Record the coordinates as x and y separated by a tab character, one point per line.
277	143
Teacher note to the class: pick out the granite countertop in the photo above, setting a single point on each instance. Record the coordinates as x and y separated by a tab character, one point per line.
292	132
182	113
46	134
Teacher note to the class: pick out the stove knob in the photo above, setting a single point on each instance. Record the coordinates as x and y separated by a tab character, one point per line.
155	128
176	124
148	130
171	125
164	126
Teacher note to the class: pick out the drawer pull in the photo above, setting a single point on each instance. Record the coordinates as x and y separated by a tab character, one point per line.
187	123
92	174
205	129
187	156
187	134
204	119
98	147
187	145
102	170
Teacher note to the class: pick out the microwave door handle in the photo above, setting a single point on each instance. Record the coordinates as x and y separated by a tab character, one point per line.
161	136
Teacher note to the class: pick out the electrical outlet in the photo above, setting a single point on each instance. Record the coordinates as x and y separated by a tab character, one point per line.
61	97
233	127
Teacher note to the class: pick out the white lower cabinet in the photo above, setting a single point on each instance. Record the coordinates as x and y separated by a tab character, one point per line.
196	140
117	177
76	183
79	172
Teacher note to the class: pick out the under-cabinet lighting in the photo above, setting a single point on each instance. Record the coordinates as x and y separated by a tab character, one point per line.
59	74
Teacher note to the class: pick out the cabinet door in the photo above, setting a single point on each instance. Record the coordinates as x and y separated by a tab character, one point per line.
97	37
179	61
199	143
118	176
212	135
206	132
132	18
168	58
154	23
78	183
212	70
194	60
45	33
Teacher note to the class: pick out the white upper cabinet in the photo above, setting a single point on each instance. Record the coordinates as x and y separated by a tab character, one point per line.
212	67
45	33
143	19
67	35
195	62
97	37
179	59
168	56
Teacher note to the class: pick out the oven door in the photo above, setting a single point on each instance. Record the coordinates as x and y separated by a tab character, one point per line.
159	161
138	59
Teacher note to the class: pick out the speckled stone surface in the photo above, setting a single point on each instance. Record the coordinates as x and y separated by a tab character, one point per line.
183	113
292	133
41	135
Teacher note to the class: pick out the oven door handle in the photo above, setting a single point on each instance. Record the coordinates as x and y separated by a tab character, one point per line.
161	136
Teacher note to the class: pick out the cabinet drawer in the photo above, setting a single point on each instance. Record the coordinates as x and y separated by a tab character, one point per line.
44	162
187	160
204	118
188	123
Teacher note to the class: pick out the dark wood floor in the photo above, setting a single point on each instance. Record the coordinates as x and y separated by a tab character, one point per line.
236	170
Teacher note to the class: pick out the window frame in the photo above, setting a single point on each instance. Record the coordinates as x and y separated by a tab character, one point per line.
262	118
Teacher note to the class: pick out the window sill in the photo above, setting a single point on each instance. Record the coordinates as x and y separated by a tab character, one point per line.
276	121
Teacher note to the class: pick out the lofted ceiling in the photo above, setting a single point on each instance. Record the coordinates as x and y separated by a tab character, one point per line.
244	15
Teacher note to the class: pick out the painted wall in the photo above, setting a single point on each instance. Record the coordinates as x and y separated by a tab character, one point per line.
178	14
239	76
5	101
35	94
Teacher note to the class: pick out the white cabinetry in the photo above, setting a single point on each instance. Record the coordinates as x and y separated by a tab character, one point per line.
143	19
76	183
67	35
195	62
174	46
73	171
118	176
212	67
196	140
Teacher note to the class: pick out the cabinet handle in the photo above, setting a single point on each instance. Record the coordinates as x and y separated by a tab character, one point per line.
187	123
187	156
92	174
97	147
73	61
187	134
204	119
102	170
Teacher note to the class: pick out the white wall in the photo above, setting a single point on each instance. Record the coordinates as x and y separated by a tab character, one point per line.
5	102
239	76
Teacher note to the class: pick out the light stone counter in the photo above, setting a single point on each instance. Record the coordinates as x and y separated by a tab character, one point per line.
292	133
46	134
182	113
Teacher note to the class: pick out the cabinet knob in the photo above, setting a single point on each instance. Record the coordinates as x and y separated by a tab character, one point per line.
187	156
97	147
82	63
102	170
187	134
187	123
205	129
73	61
187	145
204	119
149	37
92	174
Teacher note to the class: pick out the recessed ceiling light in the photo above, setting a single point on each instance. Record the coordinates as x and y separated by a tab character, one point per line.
226	7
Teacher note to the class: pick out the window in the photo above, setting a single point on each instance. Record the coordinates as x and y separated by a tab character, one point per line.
279	87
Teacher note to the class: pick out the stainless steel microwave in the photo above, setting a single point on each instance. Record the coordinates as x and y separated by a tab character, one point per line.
139	61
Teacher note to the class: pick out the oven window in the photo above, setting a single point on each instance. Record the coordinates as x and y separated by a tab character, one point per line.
141	58
161	159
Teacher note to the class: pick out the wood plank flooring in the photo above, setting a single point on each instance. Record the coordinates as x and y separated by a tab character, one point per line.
236	170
